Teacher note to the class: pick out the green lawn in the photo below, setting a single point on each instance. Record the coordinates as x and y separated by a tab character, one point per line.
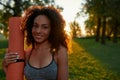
92	61
89	61
108	54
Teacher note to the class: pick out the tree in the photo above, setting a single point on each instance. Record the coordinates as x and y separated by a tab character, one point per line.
75	28
16	7
114	14
104	11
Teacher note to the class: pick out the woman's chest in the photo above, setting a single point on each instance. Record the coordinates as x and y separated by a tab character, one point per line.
48	72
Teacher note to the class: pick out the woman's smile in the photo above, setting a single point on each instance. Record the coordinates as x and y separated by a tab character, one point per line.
41	28
38	36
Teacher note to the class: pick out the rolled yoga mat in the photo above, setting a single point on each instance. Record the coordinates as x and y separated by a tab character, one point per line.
16	44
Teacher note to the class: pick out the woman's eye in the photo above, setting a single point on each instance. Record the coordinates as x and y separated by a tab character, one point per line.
35	26
45	27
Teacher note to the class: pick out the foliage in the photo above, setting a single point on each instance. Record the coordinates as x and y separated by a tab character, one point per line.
75	29
16	7
3	43
103	13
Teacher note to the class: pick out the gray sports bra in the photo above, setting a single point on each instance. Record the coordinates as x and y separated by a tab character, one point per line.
48	72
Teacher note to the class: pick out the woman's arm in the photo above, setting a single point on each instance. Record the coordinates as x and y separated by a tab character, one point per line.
8	59
11	58
62	60
4	66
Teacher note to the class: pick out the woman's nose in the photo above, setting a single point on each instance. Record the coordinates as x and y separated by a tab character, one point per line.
39	30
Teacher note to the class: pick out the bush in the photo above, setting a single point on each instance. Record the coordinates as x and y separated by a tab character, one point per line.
3	43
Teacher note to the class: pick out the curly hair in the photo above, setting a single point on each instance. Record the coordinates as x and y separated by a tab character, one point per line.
57	35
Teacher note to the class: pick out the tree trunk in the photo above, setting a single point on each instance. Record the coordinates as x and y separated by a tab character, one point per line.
115	31
17	10
103	31
98	29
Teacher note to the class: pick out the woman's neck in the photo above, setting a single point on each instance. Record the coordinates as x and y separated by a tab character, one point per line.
42	46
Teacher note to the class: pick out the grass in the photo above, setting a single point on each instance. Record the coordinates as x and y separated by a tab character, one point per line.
89	61
108	54
2	52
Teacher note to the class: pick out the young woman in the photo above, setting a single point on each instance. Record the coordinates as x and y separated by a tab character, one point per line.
48	58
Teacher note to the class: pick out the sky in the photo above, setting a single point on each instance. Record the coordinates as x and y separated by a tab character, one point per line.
71	7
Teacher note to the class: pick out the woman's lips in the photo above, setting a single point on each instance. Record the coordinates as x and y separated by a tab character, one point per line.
38	36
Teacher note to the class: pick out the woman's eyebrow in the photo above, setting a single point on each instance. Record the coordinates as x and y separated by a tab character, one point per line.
35	23
45	24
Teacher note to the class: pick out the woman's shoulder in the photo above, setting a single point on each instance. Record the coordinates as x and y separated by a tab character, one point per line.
62	52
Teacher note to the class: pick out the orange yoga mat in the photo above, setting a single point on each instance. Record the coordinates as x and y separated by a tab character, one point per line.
16	44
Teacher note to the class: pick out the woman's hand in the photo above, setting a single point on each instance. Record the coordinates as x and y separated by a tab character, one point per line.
8	59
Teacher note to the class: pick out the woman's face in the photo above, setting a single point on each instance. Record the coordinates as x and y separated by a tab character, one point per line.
41	29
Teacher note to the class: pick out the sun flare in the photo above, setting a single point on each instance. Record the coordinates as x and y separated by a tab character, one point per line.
67	30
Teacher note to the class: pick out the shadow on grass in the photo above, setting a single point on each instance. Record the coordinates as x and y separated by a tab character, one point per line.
84	66
108	54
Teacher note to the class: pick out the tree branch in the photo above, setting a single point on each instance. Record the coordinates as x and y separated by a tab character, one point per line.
6	5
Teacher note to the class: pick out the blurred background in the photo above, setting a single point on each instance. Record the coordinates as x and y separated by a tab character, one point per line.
94	30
